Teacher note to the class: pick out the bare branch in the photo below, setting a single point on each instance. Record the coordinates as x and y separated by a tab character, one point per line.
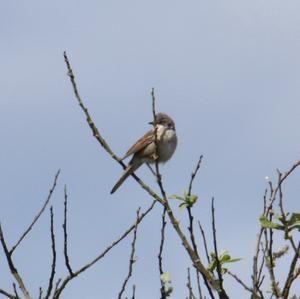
15	291
291	275
67	260
255	277
12	267
8	295
51	279
270	263
101	255
199	285
57	285
132	255
133	292
193	175
219	269
189	209
284	220
204	241
161	246
38	214
256	274
189	285
240	282
191	229
281	179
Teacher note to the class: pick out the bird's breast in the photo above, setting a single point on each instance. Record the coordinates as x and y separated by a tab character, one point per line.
167	144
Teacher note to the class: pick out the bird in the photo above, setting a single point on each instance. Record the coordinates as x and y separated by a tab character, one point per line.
144	150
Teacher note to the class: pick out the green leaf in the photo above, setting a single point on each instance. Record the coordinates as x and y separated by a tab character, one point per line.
223	259
183	205
297	226
226	258
295	219
169	291
268	224
188	200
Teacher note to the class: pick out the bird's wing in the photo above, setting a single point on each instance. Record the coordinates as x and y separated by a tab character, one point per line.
140	144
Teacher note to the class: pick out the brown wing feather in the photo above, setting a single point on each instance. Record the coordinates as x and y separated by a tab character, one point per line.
140	144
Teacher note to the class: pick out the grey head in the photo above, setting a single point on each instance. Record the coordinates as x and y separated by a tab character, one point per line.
165	120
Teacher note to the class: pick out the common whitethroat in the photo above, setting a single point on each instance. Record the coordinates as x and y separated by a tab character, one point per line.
145	151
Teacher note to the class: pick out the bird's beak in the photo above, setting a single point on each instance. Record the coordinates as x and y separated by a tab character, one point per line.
150	123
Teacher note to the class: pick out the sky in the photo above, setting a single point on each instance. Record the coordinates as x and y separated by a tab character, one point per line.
227	72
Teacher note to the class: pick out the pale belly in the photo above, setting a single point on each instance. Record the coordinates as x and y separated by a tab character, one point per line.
167	145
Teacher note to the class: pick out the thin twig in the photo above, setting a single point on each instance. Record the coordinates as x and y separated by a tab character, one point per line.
12	267
256	274
57	285
284	220
199	285
194	244
67	260
161	246
189	209
193	175
132	255
8	295
191	229
204	241
291	276
191	224
240	281
270	264
189	285
38	214
53	267
101	255
260	277
219	269
15	291
133	292
282	178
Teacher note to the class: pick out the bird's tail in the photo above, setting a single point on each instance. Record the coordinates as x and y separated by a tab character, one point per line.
128	171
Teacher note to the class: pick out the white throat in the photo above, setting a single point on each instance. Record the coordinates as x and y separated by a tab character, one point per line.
167	142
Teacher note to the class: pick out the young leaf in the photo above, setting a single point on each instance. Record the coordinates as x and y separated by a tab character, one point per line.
268	224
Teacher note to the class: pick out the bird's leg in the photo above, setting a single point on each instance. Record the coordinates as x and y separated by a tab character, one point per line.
151	169
153	172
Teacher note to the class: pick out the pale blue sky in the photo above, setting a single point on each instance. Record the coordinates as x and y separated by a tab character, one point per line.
227	72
